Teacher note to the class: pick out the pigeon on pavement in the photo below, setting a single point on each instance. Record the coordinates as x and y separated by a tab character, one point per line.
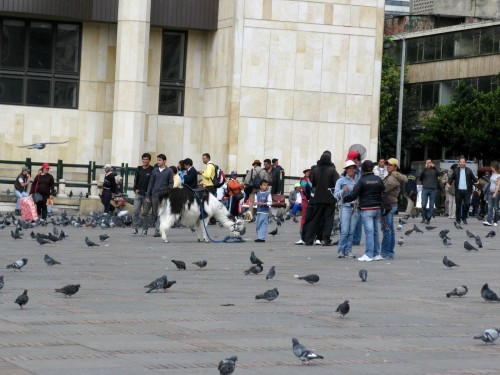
89	242
22	299
157	284
18	264
459	291
103	237
470	234
274	232
227	366
311	279
401	241
363	274
479	243
52	238
489	295
68	290
271	273
408	232
489	335
254	269
491	234
179	264
42	241
429	227
268	295
446	242
201	263
49	260
15	235
469	247
444	233
168	285
417	229
448	263
302	353
1	282
343	308
254	259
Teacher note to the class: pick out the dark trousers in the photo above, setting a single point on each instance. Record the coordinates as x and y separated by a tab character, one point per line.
462	200
325	212
41	208
233	206
106	201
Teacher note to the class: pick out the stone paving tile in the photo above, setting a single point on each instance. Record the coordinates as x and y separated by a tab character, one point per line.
400	320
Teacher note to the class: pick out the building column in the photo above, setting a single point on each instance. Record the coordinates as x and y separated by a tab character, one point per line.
129	111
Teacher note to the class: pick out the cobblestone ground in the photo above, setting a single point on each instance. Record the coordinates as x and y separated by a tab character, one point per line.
400	320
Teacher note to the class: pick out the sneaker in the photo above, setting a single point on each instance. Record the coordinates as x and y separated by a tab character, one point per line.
134	232
349	256
144	232
495	224
378	257
157	234
317	242
340	256
465	221
300	242
487	223
326	243
259	240
365	258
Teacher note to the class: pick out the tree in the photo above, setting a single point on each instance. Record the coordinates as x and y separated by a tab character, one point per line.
469	125
389	102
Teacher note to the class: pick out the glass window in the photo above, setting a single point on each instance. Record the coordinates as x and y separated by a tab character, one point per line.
67	48
412	50
13	44
496	40
38	92
487	36
171	101
448	46
427	95
65	94
429	49
11	90
40	46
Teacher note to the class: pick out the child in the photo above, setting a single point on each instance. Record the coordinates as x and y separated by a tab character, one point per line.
475	201
264	201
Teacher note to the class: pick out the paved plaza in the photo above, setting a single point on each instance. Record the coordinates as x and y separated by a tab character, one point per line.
400	320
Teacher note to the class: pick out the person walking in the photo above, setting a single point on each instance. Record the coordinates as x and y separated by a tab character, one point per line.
393	185
109	189
264	203
20	186
429	179
44	185
368	190
494	195
141	181
450	193
463	178
411	193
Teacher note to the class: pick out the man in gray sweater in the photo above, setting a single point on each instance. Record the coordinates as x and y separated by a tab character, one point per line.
162	178
429	178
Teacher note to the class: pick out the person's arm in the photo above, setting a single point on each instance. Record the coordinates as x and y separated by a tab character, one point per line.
150	186
495	193
170	179
354	193
209	171
339	190
136	180
52	187
269	200
33	185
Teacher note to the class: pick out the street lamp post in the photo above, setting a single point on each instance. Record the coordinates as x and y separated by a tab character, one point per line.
400	104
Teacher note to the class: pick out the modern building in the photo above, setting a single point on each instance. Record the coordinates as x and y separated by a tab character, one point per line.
397	7
457	8
240	79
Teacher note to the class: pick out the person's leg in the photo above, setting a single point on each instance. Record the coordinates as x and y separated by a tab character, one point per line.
377	215
496	204
44	208
345	219
354	220
251	202
18	196
304	212
314	224
458	205
138	199
425	199
358	231
466	205
155	204
261	226
367	217
311	206
432	202
489	216
328	216
146	209
389	235
295	208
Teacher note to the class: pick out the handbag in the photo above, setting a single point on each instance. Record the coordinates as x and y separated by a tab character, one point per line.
278	200
238	196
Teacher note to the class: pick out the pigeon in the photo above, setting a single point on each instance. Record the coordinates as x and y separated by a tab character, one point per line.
201	263
271	273
254	269
448	263
343	308
469	247
408	232
430	227
68	290
33	235
417	229
49	260
479	243
444	233
274	232
363	274
311	279
168	285
399	227
446	242
227	366
80	195
89	242
401	241
52	238
302	353
459	291
41	145
491	234
159	283
55	231
457	225
42	241
103	237
402	222
470	234
1	282
488	295
268	295
18	264
22	299
489	335
254	259
179	264
15	235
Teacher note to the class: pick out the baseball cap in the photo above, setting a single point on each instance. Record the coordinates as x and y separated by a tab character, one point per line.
351	155
349	163
25	169
296	185
393	161
46	166
234	172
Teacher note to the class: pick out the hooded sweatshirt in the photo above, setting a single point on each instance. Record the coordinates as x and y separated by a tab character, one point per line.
394	183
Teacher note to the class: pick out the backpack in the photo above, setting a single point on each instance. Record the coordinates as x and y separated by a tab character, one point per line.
256	180
219	177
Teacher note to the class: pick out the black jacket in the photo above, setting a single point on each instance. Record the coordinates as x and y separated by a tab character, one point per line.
469	178
141	179
191	178
276	187
369	189
324	176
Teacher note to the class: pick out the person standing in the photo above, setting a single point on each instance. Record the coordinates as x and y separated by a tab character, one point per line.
348	211
20	186
277	174
323	178
43	184
463	178
249	189
234	188
109	188
393	185
208	174
381	169
176	177
355	156
429	178
161	179
264	203
450	193
191	175
494	195
411	193
368	190
141	181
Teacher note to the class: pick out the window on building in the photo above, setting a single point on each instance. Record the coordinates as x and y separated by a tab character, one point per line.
173	73
39	63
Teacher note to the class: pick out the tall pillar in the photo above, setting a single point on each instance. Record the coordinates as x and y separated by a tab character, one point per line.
129	112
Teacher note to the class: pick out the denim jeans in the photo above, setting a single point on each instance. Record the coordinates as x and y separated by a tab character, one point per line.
348	221
261	225
389	236
462	200
428	195
19	195
493	207
141	202
371	222
295	208
356	239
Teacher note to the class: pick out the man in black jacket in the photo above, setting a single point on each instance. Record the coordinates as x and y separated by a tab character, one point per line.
463	178
191	176
429	179
141	181
323	179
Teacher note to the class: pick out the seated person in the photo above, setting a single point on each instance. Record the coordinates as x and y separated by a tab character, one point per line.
295	199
